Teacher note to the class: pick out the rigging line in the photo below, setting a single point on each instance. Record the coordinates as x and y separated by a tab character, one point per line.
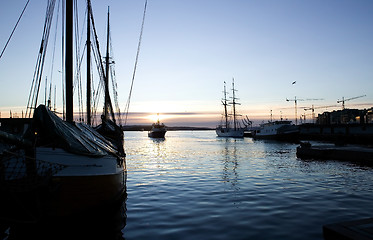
115	87
115	93
63	57
98	59
34	92
44	47
114	81
54	44
76	85
14	29
99	89
78	82
135	67
33	84
96	44
96	91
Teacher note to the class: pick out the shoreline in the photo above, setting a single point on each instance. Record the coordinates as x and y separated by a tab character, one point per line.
177	128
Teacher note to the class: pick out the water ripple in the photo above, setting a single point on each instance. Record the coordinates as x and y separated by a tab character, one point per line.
193	185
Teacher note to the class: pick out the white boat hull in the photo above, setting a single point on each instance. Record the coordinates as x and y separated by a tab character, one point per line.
280	130
238	133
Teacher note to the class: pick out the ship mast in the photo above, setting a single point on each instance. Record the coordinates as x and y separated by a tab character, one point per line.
234	106
108	103
224	102
89	63
69	61
107	70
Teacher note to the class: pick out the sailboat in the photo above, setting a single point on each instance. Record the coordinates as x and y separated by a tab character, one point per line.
108	127
62	167
228	127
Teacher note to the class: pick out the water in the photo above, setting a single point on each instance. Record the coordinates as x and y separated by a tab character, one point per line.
193	185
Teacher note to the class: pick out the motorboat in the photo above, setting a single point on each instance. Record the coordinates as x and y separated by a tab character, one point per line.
158	130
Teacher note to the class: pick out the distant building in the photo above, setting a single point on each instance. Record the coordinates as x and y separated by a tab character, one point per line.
346	116
369	115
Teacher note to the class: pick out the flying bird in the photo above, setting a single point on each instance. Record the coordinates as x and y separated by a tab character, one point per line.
294	82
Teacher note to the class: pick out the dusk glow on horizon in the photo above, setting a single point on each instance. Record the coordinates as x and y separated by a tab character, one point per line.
275	50
186	119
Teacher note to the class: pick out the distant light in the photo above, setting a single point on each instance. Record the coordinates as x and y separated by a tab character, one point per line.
155	117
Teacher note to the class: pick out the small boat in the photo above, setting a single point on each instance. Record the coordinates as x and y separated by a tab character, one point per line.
277	130
158	130
228	127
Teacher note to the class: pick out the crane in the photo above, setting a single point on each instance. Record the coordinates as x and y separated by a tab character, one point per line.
313	110
295	103
247	122
348	99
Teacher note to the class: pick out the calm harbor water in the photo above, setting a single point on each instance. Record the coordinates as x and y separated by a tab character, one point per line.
193	185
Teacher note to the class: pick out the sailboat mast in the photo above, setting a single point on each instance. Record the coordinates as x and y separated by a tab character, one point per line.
107	70
69	61
225	106
89	63
234	106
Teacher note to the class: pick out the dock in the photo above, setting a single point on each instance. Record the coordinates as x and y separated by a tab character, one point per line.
351	153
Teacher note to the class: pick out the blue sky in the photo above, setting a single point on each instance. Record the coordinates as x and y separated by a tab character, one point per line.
190	48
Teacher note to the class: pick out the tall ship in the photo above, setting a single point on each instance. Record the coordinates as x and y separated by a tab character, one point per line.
230	126
57	166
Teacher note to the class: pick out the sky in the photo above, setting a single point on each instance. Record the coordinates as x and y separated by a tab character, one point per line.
190	48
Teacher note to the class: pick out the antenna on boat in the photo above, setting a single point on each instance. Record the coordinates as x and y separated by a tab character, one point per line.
271	116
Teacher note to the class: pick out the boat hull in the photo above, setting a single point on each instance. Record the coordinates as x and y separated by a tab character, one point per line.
157	134
278	130
238	133
60	184
76	195
280	137
84	182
